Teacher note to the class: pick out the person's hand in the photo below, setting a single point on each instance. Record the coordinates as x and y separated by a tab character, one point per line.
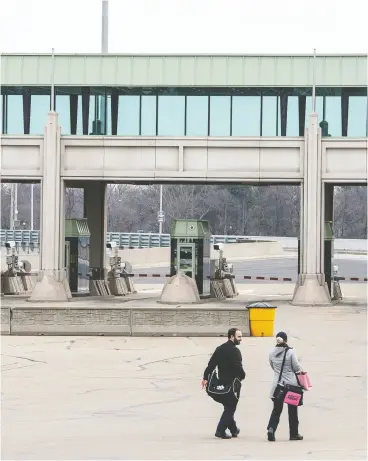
204	383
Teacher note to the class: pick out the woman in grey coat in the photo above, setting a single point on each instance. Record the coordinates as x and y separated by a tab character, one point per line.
291	367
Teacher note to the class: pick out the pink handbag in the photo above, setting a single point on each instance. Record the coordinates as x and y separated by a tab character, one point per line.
292	398
304	381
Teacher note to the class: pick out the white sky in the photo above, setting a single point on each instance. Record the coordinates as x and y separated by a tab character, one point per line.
186	26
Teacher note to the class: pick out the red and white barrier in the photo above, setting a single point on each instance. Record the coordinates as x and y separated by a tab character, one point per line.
353	279
257	277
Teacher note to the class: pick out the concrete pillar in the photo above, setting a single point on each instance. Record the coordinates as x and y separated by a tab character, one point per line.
95	210
52	284
311	288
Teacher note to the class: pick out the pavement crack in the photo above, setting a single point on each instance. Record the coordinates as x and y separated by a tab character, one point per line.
167	360
192	340
26	358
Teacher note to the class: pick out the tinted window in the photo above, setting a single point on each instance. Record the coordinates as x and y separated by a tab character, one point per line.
171	112
40	107
148	116
62	107
14	122
220	115
197	116
292	124
333	114
246	119
357	118
271	118
128	116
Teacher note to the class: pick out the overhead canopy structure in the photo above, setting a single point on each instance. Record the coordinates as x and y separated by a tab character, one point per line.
184	70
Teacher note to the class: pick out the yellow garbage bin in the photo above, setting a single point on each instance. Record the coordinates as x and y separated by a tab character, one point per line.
261	319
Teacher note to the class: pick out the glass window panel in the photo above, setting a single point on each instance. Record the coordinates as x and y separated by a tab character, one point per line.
333	115
40	107
14	120
292	124
246	120
128	116
220	116
309	108
62	107
2	102
79	117
197	116
148	116
271	123
96	116
171	113
357	117
108	115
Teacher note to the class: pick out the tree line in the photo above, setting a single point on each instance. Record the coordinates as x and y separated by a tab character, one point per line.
268	210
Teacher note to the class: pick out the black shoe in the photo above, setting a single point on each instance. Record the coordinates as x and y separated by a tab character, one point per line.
271	435
236	433
222	435
296	437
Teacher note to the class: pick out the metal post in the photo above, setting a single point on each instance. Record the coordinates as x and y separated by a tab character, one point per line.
52	80
32	192
314	82
105	26
160	215
15	204
11	224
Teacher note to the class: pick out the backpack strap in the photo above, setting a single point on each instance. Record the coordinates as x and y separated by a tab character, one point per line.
283	364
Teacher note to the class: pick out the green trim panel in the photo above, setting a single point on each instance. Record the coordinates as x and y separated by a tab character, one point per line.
76	228
183	70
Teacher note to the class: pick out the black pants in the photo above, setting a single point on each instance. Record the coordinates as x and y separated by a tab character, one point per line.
276	413
227	421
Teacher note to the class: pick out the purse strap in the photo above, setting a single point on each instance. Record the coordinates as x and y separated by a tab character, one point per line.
283	364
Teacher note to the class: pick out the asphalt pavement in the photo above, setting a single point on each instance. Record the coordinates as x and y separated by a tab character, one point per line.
348	266
133	398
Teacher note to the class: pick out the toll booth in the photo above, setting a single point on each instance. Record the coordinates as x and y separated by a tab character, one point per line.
190	252
77	241
329	239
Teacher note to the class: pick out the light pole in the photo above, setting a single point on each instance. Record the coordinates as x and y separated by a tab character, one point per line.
160	213
105	26
16	222
13	206
32	192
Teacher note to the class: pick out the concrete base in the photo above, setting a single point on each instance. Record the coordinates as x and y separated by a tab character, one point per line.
5	321
51	287
109	319
310	292
180	289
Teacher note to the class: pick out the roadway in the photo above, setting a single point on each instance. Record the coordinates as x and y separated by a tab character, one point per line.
136	398
349	266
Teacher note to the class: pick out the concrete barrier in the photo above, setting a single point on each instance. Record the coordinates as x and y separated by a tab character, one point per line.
209	321
146	256
66	321
238	251
5	321
188	321
141	257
